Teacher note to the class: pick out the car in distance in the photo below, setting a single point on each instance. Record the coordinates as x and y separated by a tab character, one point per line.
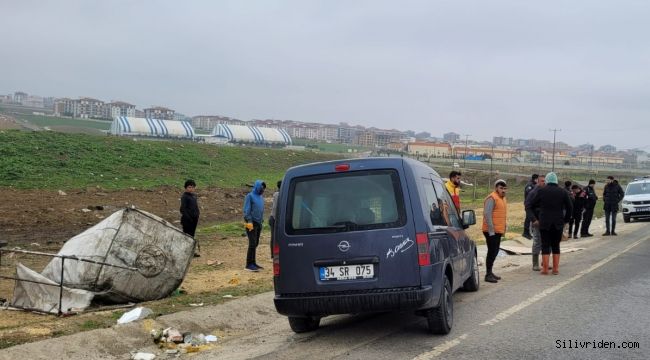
370	235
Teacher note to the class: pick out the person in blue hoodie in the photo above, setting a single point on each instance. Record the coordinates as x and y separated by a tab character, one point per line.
254	217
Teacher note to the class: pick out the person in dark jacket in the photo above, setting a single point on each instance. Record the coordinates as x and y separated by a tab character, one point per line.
533	213
274	214
590	205
190	210
579	200
555	210
254	217
612	195
527	189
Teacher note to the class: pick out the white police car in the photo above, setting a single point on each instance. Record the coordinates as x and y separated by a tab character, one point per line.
636	203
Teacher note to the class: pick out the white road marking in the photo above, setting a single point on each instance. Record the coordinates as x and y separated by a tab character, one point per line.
438	350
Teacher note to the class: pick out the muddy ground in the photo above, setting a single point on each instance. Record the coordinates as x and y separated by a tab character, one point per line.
40	220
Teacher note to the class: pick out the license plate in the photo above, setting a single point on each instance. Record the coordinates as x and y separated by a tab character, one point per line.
347	272
645	208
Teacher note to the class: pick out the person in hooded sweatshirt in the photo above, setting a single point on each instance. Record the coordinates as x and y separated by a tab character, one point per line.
555	209
254	217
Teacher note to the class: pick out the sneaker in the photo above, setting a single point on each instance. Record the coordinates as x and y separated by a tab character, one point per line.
586	235
259	267
490	278
614	234
252	268
606	233
496	276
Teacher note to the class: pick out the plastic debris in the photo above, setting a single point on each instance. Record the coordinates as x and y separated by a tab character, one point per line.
211	338
142	356
196	305
138	313
228	296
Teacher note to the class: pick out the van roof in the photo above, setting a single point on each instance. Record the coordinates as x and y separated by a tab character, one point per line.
371	162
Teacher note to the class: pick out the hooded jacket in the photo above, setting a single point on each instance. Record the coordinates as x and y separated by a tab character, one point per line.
613	194
554	204
254	204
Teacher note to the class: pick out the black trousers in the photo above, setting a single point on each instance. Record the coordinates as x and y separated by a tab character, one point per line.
551	240
574	224
253	241
493	243
527	222
189	225
586	219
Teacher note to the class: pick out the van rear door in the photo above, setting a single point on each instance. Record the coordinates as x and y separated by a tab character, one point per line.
347	229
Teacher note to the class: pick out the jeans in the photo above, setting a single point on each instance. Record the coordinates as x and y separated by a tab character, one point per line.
610	225
537	239
493	244
253	241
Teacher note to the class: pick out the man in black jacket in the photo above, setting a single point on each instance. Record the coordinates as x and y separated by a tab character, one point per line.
533	213
190	210
612	195
590	204
555	209
579	200
527	189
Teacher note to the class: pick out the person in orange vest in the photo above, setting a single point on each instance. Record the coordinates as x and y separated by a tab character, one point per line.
494	225
453	186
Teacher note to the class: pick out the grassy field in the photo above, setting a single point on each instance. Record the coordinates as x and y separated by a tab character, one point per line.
52	160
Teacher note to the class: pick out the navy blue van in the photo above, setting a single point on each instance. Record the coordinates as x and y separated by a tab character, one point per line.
370	235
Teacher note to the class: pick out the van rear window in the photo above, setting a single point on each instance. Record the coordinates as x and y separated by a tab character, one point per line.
350	201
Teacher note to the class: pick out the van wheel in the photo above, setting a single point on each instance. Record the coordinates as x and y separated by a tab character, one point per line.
441	318
303	324
626	218
472	283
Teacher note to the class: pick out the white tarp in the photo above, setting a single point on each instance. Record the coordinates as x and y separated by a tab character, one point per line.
46	297
132	238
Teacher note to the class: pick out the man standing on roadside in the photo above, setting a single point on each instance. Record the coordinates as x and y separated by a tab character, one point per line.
579	200
590	204
274	214
533	213
453	186
612	195
494	225
254	217
527	189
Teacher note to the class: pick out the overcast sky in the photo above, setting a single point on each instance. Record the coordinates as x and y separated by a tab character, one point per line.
485	68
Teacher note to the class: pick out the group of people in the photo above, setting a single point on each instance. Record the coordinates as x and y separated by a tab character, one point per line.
253	211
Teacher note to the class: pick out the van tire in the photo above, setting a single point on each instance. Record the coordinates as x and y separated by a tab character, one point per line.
440	319
303	324
472	283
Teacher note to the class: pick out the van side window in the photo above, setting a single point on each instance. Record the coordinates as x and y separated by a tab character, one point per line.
449	209
433	204
359	200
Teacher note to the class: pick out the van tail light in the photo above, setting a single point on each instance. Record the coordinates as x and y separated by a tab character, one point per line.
342	167
276	259
422	241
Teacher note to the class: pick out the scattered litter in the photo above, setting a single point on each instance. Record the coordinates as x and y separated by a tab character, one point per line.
502	253
85	210
172	335
171	351
228	296
142	356
62	193
214	262
35	244
196	305
211	338
138	313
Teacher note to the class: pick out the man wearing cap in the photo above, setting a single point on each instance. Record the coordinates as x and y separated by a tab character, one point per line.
590	204
494	225
527	189
612	195
555	209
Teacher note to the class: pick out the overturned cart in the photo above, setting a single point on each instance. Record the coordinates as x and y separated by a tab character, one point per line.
131	256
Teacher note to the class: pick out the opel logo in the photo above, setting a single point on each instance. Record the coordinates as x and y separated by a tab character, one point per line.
344	246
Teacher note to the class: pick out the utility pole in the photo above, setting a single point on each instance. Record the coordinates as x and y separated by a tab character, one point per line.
553	161
465	155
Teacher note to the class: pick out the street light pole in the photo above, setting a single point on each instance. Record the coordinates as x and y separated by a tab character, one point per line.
465	155
553	161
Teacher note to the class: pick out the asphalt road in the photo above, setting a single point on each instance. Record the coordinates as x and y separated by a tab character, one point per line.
601	298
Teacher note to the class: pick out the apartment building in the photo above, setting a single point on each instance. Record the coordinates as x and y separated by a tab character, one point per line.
119	108
429	149
208	122
159	112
